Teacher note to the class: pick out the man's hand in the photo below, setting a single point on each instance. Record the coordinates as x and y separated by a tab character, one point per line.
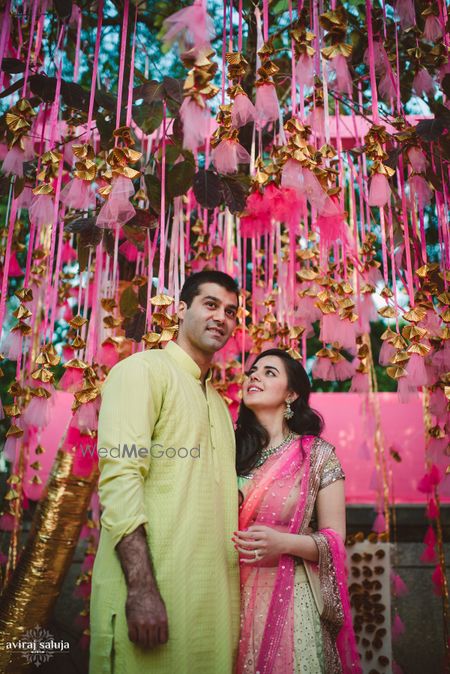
146	618
144	608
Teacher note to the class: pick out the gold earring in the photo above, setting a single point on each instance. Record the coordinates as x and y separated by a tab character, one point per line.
288	413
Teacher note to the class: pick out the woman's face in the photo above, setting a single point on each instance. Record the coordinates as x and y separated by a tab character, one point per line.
266	385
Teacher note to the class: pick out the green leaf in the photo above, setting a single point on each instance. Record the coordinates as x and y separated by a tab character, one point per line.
208	188
148	116
179	179
128	303
135	326
234	194
149	92
153	185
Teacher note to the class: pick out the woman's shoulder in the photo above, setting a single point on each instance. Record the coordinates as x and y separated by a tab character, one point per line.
331	469
321	446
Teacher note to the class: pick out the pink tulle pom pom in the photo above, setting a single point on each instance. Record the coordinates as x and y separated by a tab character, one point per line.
315	193
243	111
41	210
420	188
433	29
304	70
430	537
71	379
196	124
191	27
108	354
323	369
316	120
78	194
335	329
342	77
380	191
380	58
332	228
405	390
343	369
13	345
423	83
86	415
117	210
379	526
266	104
256	219
292	177
417	159
438	403
406	13
398	586
360	383
228	154
129	251
398	628
386	353
25	197
39	410
15	270
386	86
417	374
10	448
13	162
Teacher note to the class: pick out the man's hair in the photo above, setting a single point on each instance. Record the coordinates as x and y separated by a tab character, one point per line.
191	287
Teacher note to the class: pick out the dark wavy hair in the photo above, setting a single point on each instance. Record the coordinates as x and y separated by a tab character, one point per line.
252	437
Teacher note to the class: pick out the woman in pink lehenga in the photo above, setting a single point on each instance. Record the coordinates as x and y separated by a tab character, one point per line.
295	611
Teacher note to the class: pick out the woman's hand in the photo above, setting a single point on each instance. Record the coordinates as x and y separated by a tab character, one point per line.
259	542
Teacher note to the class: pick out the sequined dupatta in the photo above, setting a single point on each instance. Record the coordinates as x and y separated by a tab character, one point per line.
292	477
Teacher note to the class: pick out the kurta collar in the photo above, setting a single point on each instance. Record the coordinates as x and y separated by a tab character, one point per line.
185	361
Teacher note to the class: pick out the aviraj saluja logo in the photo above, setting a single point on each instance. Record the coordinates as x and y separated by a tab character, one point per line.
37	646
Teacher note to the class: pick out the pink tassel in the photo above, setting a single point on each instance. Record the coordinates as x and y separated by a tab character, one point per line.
441	358
25	198
405	391
380	191
191	27
417	374
433	29
13	345
304	70
432	509
423	83
343	370
386	85
10	449
228	154
399	588
406	12
430	537
13	162
429	480
335	329
108	354
129	251
257	219
71	379
87	415
41	210
342	78
333	228
417	159
386	353
360	384
196	124
380	58
316	120
428	556
420	188
315	193
117	210
379	526
39	410
438	403
438	580
292	177
398	628
266	104
78	194
323	369
15	270
243	111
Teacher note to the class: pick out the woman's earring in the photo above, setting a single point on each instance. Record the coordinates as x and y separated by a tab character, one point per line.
288	413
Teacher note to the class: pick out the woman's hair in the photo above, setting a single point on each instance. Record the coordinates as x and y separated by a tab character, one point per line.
252	437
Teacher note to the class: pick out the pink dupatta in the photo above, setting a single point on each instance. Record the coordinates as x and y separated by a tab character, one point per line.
297	468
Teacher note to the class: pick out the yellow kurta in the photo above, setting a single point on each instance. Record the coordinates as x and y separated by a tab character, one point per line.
188	505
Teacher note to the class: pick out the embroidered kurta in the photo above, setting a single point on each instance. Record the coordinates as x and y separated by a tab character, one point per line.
183	490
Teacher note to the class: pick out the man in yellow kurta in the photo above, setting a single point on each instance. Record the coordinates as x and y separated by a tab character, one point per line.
165	589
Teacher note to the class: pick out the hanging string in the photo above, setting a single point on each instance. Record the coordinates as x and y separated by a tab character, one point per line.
162	230
123	46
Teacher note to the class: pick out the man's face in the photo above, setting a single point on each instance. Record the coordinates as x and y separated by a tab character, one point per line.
210	320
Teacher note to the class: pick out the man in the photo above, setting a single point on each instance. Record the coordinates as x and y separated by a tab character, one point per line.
165	592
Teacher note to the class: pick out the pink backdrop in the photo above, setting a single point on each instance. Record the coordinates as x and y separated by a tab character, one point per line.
347	427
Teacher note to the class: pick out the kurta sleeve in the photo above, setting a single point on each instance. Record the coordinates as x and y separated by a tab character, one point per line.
332	471
131	402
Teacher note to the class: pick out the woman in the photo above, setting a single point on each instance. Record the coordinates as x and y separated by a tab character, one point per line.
295	613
